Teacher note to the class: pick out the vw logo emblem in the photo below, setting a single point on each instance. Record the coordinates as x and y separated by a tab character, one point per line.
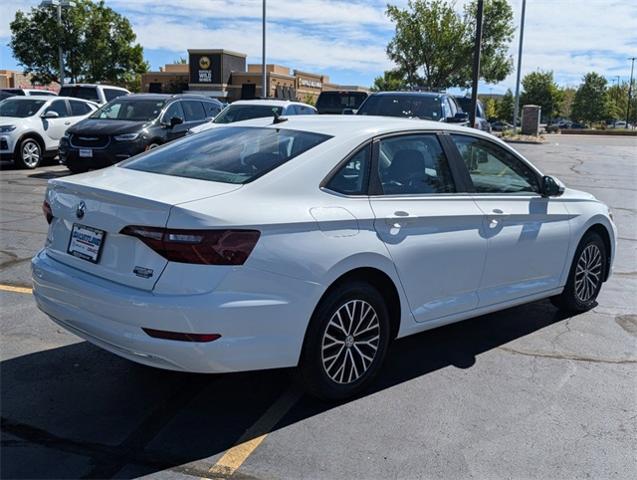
81	210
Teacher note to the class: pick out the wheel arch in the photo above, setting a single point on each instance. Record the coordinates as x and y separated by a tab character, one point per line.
34	135
603	232
380	280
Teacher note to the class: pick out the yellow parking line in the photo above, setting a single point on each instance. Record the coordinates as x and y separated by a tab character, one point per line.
11	288
252	438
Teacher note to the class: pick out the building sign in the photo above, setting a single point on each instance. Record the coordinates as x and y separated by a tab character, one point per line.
306	82
205	71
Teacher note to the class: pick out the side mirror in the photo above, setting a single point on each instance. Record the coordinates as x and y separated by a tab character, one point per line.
50	114
175	121
551	187
459	117
349	111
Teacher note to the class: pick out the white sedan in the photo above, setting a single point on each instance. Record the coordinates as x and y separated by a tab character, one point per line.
312	242
243	110
32	126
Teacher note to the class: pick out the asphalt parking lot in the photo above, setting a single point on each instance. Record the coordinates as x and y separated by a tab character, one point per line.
523	393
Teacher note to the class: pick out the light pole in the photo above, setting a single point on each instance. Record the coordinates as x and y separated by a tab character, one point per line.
516	106
59	4
630	89
264	92
476	64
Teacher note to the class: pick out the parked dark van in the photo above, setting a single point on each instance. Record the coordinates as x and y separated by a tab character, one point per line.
131	124
335	102
438	107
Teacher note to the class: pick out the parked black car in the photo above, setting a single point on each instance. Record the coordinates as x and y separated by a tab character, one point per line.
481	122
334	102
438	107
131	124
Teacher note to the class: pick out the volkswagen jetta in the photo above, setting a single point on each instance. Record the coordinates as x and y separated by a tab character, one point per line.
314	242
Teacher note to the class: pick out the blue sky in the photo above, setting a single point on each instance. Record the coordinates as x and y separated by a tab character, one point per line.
346	39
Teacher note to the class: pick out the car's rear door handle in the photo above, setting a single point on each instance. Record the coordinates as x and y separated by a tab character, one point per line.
67	123
397	218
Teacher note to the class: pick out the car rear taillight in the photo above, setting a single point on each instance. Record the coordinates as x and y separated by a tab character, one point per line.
48	213
206	247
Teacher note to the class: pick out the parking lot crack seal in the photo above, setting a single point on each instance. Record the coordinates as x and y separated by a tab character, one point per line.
566	356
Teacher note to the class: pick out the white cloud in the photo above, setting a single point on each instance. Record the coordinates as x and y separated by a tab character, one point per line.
570	37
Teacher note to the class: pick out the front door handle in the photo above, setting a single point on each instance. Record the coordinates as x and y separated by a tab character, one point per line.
67	123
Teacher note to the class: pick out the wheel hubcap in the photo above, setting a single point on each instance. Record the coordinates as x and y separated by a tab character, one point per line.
588	273
350	341
31	154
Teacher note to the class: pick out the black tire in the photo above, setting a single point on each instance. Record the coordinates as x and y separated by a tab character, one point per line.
29	153
316	372
589	266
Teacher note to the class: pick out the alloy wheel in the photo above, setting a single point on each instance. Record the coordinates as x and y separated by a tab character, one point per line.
31	154
350	341
588	273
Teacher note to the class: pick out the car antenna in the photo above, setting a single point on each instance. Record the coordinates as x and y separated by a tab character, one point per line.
278	118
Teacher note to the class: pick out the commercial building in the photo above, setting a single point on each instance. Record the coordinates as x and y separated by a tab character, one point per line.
14	79
224	74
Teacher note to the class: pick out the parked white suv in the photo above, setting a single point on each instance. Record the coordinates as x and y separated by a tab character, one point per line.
31	127
99	94
26	92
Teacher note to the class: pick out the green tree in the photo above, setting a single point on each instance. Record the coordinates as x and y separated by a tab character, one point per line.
592	103
505	106
433	43
490	107
391	80
98	43
540	89
566	106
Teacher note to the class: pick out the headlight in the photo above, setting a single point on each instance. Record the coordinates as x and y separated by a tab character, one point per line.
127	137
7	128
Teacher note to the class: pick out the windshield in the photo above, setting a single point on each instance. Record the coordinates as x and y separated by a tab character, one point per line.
228	155
86	93
236	113
421	106
340	100
13	107
131	110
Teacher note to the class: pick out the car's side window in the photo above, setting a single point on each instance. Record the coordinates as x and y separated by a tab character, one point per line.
212	109
194	111
351	179
111	93
79	108
413	164
493	169
174	110
58	106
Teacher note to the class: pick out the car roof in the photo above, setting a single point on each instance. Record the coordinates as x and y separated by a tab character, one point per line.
270	102
350	125
93	85
410	93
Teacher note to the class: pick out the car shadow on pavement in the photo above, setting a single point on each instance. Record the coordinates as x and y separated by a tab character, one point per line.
77	411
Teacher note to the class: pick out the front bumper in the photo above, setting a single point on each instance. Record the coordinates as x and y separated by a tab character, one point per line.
7	146
101	157
260	330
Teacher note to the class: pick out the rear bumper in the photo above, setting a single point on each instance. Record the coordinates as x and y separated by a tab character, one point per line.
259	330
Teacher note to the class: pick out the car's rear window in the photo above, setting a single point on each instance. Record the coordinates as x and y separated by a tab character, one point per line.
227	154
85	93
421	106
340	100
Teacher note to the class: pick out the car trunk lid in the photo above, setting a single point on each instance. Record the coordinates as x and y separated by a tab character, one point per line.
109	200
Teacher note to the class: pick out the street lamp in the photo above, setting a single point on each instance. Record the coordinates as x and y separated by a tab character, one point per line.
59	4
516	107
264	93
